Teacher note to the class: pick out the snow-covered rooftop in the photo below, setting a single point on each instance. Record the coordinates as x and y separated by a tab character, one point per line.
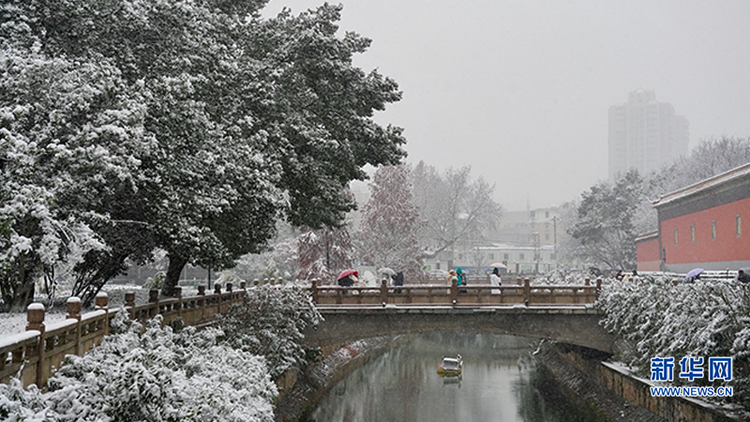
735	173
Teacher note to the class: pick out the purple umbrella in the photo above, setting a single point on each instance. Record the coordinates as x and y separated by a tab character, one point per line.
695	272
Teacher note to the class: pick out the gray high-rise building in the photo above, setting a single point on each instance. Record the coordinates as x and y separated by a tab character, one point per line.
645	134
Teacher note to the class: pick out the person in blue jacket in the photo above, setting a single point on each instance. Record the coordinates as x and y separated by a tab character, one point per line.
461	279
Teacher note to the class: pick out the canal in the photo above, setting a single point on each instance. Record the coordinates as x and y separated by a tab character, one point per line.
500	382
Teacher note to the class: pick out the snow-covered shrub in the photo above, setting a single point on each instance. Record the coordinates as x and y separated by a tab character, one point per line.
155	282
271	323
163	376
17	404
702	319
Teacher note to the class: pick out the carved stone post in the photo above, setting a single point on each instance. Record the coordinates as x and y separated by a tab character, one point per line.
102	303
454	291
526	291
178	296
74	312
202	301
130	304
35	321
314	290
153	298
383	291
598	287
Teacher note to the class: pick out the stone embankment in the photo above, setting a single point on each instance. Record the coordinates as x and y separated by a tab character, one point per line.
615	394
301	390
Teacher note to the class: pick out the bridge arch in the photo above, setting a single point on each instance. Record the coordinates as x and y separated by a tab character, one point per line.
578	326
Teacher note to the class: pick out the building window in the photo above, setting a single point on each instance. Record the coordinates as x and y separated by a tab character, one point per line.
713	229
460	256
521	257
552	256
532	214
492	256
675	236
738	225
506	256
692	233
546	214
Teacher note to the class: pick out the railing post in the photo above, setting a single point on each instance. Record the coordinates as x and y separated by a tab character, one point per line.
383	291
256	282
454	291
587	281
35	321
202	301
314	290
74	312
598	287
243	285
178	296
153	297
526	291
102	303
217	292
130	304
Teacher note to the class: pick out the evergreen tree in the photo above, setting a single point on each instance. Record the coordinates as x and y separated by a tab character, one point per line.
225	121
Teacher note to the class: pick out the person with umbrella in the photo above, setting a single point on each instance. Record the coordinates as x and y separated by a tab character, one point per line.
495	280
347	278
693	275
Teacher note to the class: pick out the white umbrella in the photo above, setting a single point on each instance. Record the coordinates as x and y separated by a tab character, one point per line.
499	266
386	270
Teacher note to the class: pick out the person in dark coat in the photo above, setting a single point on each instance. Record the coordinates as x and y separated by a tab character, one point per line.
398	280
743	275
348	281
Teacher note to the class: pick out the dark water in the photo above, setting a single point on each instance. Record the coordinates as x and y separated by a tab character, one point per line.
499	383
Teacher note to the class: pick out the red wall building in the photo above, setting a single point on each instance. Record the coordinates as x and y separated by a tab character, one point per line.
647	247
702	225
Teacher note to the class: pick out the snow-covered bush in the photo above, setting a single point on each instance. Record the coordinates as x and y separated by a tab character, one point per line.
163	376
702	319
17	404
271	323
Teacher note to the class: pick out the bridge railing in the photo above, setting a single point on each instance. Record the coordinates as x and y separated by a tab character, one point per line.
33	354
470	295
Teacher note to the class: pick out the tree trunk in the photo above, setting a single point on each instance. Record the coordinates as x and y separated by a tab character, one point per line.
176	264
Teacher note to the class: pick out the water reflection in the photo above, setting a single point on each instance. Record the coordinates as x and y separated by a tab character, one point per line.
498	383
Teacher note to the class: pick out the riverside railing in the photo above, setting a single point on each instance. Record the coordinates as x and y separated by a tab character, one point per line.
33	355
470	295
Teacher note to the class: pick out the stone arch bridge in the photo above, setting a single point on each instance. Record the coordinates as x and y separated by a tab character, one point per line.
573	325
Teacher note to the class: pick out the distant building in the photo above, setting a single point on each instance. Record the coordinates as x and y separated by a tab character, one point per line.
539	226
645	134
477	260
700	226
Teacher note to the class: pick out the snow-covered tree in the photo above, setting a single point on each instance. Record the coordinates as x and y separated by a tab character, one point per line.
270	324
240	120
323	253
390	221
604	230
456	209
69	132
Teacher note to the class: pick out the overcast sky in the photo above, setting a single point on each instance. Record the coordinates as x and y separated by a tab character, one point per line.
520	90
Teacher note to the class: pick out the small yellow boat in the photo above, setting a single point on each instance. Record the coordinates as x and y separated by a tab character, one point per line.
451	367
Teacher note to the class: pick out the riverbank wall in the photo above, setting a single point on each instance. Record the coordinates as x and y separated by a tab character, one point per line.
301	390
615	393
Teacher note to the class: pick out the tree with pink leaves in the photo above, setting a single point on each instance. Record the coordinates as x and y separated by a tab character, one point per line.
390	221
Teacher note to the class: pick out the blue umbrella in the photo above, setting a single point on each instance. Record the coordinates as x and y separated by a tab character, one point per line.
695	272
